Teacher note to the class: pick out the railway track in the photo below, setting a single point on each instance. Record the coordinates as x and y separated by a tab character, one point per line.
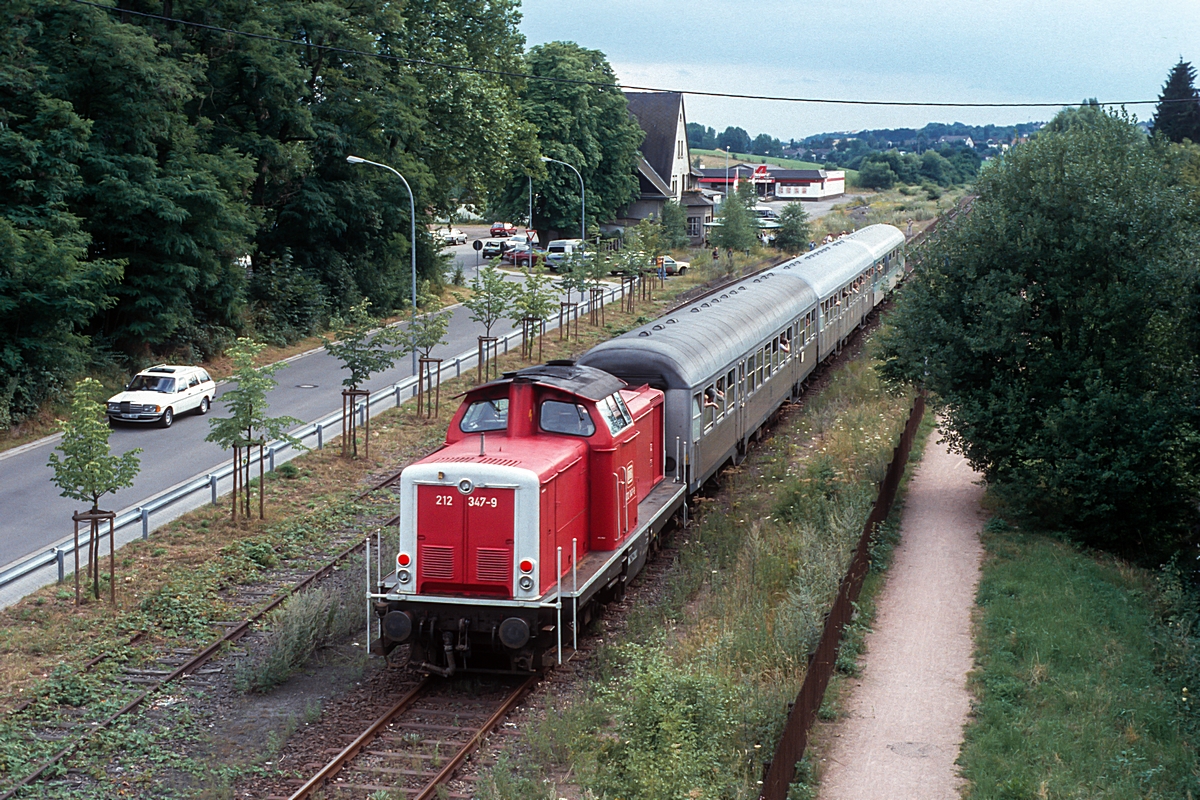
417	744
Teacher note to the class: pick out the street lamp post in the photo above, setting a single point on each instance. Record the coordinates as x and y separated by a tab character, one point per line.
412	242
727	170
582	197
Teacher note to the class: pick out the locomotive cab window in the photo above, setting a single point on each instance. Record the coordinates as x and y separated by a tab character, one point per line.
572	419
615	413
485	415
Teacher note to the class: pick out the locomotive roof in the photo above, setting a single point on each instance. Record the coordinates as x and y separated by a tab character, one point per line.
588	382
829	268
692	344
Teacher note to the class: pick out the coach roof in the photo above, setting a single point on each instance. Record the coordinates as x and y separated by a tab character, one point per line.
694	343
827	269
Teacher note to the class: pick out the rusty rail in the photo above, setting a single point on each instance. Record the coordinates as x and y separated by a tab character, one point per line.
780	771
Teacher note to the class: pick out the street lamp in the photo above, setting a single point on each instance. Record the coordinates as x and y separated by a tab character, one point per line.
582	197
727	170
412	242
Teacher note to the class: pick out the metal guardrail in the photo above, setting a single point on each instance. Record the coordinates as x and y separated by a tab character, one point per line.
403	389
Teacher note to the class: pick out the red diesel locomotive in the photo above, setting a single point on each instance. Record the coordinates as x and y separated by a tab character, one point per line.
546	496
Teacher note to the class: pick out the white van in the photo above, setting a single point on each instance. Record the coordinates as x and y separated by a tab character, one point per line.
558	250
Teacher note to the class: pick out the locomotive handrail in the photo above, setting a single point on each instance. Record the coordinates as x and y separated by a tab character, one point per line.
56	554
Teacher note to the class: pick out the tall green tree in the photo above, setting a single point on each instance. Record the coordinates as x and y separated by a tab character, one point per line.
150	194
674	226
588	127
793	234
1056	324
737	230
50	289
1177	115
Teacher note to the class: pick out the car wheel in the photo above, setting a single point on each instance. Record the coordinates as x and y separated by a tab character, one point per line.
167	419
203	409
682	270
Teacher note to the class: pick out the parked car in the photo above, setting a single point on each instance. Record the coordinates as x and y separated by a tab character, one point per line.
672	267
493	248
161	393
525	256
500	229
452	236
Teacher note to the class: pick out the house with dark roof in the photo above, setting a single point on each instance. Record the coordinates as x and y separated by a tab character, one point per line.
664	169
771	181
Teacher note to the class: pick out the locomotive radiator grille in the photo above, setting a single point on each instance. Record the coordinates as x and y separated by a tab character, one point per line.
437	563
493	565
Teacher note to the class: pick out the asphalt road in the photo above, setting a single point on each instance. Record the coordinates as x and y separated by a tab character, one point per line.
35	516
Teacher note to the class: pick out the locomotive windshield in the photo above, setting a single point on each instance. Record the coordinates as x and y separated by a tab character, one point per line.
615	412
569	418
485	415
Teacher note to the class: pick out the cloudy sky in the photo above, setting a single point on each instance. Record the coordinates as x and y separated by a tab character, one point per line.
1052	51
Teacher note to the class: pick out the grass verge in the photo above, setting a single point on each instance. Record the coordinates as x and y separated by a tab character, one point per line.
691	699
1073	697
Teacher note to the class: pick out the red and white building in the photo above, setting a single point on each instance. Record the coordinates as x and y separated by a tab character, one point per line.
779	183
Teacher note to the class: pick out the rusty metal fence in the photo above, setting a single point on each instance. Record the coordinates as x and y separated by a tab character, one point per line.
780	771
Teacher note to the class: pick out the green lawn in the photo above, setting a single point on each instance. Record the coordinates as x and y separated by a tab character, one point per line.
1072	702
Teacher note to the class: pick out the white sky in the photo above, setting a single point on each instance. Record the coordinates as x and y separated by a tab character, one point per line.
921	50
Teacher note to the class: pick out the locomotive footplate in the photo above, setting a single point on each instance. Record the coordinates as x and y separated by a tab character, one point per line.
469	633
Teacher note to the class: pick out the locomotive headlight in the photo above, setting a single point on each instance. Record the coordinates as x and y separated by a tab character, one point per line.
403	576
526	583
465	486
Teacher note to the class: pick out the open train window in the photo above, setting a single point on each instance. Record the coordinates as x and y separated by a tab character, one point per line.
615	413
557	416
710	407
485	415
730	390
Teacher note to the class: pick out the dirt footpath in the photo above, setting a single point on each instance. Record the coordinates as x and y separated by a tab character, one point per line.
906	712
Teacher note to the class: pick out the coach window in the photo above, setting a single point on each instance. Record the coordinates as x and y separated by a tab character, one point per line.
750	384
760	363
710	407
722	398
696	417
485	415
730	391
569	418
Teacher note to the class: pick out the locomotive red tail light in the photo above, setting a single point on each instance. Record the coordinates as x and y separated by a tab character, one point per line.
526	565
404	559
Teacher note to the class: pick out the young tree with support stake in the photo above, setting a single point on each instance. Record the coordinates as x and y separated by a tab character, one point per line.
248	424
88	470
572	277
488	303
532	305
363	353
425	332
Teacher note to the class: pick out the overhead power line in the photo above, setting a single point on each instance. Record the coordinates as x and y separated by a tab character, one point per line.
599	84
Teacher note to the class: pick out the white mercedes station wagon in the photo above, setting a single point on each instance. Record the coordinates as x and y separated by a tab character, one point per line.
161	393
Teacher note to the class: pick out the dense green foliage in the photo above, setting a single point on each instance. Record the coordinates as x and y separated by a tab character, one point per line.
585	126
1071	697
362	349
165	187
793	234
674	226
1177	115
737	230
1056	322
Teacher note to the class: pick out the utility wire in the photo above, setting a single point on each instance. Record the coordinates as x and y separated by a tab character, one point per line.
598	84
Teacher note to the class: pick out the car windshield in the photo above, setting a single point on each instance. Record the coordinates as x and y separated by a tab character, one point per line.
485	415
152	383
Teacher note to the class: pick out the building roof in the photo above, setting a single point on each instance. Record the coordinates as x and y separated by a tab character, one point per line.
658	115
651	183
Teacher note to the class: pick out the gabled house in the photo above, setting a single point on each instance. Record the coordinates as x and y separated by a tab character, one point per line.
664	169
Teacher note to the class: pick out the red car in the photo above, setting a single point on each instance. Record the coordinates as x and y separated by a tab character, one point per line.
502	229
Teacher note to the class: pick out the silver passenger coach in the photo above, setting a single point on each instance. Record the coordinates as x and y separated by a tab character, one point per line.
727	361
